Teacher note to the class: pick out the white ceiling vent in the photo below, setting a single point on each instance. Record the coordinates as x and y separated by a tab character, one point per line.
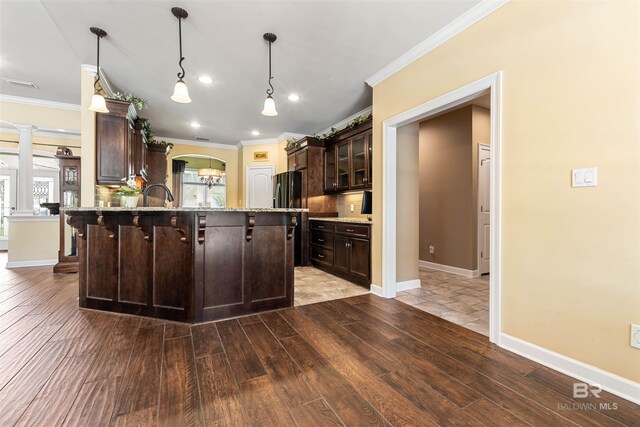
21	83
200	138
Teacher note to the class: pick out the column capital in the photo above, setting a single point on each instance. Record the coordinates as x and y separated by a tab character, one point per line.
25	128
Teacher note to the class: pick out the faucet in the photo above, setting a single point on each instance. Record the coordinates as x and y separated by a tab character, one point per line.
145	193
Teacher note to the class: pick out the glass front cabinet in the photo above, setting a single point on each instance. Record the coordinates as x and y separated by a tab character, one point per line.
348	163
69	198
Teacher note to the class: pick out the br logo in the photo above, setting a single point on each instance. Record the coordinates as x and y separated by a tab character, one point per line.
582	390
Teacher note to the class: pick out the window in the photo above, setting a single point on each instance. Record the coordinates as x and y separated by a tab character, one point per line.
197	194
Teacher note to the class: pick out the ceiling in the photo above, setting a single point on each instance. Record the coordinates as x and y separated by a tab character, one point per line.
324	52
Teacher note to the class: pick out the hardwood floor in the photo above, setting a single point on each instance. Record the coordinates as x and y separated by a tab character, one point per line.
356	361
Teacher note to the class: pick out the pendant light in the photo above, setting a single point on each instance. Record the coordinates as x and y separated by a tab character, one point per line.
209	175
269	104
180	92
97	101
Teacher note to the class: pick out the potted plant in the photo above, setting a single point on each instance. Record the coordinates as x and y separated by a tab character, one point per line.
129	196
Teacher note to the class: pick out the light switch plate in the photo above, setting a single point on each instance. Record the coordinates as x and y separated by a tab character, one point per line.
586	177
635	336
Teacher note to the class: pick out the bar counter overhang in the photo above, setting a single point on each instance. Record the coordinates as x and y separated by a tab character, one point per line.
183	264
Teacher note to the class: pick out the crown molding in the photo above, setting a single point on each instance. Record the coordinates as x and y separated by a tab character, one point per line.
266	141
46	132
39	102
178	141
455	27
346	121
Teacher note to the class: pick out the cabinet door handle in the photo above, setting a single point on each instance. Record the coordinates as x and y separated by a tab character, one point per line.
320	240
350	230
320	256
321	226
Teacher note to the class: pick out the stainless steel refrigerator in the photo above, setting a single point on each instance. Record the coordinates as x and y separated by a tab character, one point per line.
287	193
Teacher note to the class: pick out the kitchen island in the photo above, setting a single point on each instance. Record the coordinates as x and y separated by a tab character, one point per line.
185	264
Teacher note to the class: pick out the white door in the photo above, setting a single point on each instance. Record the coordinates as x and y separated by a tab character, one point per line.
8	190
484	201
260	186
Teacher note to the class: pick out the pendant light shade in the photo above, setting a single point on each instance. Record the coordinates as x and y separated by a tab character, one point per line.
269	107
97	101
98	104
180	91
269	104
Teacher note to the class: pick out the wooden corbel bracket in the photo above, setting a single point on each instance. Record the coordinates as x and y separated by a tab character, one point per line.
79	223
202	226
181	226
109	223
145	224
292	226
251	223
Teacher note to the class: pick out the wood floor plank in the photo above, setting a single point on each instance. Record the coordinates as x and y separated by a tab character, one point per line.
245	363
261	404
316	413
12	316
179	394
206	340
16	396
246	320
21	353
113	359
94	404
176	330
279	327
491	414
141	383
350	406
545	396
18	330
220	395
55	399
287	376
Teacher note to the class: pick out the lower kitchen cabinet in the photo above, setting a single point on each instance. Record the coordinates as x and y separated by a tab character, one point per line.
342	249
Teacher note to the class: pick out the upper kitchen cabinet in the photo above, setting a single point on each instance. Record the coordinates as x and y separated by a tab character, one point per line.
306	156
139	152
348	159
114	139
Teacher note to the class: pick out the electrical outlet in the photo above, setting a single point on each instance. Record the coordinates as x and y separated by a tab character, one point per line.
351	207
432	249
635	336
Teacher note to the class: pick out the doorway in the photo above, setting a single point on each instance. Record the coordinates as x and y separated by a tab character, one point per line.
260	186
390	225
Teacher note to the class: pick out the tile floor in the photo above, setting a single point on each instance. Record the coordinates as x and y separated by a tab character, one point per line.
461	300
313	285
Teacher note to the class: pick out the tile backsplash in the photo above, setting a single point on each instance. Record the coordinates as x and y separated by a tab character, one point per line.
345	201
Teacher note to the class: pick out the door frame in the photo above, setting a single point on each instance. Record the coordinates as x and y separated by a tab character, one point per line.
479	230
247	169
492	82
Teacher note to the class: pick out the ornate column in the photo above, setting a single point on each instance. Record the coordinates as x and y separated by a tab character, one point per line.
25	170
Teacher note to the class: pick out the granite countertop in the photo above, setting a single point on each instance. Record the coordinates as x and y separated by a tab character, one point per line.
160	209
343	219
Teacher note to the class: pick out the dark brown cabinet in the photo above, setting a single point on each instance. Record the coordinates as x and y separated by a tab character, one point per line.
138	156
114	135
342	249
298	160
348	159
69	198
156	159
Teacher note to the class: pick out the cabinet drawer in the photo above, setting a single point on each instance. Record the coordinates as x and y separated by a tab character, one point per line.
353	230
322	238
321	255
321	225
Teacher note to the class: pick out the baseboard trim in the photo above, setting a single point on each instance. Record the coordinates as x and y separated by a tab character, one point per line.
610	382
376	290
36	263
449	269
407	284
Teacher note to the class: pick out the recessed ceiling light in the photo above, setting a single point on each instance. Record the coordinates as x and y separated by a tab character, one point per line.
255	133
205	79
293	97
195	124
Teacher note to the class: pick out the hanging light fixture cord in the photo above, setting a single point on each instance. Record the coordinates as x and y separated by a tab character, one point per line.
180	75
95	83
270	91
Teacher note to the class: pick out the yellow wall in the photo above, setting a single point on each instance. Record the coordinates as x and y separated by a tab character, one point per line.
39	116
277	157
571	99
35	240
229	156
